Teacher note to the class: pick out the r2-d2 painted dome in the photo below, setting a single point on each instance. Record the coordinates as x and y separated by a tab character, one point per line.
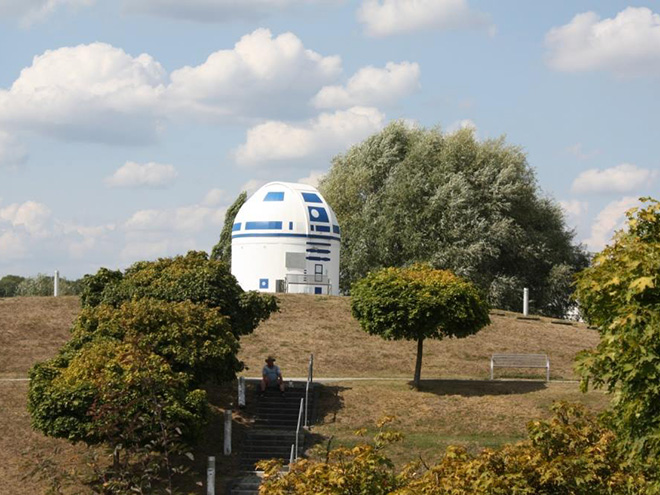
286	238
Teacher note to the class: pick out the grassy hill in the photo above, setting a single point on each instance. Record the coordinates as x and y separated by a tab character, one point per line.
448	409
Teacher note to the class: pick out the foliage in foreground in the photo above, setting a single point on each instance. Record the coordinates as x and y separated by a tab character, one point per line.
572	453
131	375
474	207
418	303
620	294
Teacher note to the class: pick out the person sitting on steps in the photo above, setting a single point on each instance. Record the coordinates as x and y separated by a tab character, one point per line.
271	377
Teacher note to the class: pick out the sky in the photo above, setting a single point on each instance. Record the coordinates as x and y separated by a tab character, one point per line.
128	126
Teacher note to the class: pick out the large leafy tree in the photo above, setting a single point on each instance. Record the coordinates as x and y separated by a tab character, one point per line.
222	250
620	294
418	303
9	284
417	195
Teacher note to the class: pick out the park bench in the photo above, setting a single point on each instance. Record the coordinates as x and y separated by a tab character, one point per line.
520	361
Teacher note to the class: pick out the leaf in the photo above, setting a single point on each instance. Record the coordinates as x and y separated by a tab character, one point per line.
190	456
642	283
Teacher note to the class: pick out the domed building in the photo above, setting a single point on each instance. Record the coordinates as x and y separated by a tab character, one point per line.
286	238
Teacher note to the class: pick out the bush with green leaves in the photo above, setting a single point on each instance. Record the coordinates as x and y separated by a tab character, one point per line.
418	303
620	294
193	277
141	348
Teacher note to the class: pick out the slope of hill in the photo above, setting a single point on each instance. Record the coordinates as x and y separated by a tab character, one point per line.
447	410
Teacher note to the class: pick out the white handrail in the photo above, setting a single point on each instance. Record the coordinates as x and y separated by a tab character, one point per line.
300	411
310	378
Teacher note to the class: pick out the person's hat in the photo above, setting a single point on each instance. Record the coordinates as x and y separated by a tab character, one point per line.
270	358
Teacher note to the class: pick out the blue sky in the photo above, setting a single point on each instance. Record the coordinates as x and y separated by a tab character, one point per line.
127	127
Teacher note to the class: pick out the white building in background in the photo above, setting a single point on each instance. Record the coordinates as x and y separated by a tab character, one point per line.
286	238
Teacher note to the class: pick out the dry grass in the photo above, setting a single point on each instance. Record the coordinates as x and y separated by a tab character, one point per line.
32	329
324	326
473	413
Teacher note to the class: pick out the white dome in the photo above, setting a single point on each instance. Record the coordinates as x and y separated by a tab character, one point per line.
286	237
299	208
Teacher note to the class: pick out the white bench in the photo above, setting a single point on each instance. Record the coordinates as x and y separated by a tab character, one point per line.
520	361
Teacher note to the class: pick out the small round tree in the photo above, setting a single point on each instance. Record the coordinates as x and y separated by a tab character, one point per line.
418	303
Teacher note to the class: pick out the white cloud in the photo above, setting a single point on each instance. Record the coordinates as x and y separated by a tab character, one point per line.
11	246
12	152
100	93
261	76
608	220
372	86
574	208
215	197
215	10
388	17
461	124
313	178
150	174
193	218
624	178
30	215
30	11
578	152
251	186
627	45
90	92
329	132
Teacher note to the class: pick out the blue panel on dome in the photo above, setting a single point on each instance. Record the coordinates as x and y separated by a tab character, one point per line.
318	290
263	225
274	196
290	225
322	228
311	198
319	251
236	226
318	214
317	258
263	283
335	229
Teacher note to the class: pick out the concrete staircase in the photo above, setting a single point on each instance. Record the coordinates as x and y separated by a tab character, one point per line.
271	437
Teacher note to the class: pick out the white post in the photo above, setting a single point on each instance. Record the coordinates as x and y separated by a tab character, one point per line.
56	284
525	301
227	450
241	391
210	477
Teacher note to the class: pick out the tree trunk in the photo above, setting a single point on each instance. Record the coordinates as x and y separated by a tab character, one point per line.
418	364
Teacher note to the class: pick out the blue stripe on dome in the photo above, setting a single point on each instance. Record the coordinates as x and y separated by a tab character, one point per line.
311	198
263	225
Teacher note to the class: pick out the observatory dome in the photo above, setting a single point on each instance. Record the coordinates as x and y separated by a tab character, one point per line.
286	238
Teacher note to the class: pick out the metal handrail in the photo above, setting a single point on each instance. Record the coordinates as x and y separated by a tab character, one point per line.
300	412
310	378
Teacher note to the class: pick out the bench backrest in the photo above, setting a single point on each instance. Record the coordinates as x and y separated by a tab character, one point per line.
520	360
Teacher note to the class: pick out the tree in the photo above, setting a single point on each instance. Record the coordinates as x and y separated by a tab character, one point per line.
43	285
143	344
222	250
9	284
418	303
620	294
409	195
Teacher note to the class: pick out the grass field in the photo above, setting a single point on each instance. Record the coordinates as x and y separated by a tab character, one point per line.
447	410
